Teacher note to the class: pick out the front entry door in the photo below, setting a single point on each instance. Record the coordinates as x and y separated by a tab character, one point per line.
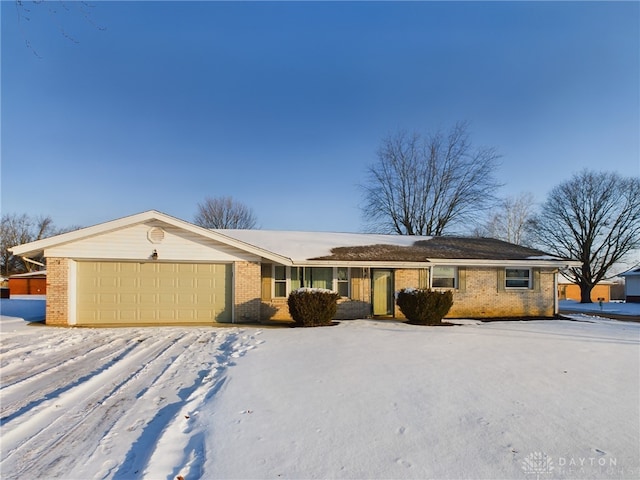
382	292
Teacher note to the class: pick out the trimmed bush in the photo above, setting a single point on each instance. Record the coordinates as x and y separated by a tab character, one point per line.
312	307
424	307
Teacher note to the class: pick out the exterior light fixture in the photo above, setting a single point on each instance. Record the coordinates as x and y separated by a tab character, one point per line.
154	255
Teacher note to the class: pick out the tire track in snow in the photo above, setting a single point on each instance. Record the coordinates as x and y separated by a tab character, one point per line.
108	424
180	450
72	415
25	394
24	364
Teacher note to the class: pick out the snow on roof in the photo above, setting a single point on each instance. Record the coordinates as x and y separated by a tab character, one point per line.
301	246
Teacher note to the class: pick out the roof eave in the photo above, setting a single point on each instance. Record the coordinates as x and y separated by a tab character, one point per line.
559	263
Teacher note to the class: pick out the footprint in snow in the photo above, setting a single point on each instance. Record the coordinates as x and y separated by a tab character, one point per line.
403	462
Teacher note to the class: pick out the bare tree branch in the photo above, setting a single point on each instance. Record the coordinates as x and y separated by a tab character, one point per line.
224	212
18	229
511	221
424	185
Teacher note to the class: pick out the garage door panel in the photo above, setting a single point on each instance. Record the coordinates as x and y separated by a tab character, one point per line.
153	293
107	298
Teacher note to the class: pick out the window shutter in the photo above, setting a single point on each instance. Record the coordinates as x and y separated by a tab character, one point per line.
462	279
265	272
501	279
356	282
536	279
423	278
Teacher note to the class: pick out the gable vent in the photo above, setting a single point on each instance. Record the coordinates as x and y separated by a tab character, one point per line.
155	235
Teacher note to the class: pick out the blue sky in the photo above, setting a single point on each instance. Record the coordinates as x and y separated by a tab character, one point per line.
283	105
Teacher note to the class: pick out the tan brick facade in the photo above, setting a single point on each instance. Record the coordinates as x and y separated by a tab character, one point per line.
405	279
247	292
57	310
484	295
480	293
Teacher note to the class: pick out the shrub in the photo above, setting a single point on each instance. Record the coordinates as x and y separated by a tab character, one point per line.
424	307
312	307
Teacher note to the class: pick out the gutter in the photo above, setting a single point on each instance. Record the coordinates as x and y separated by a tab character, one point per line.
26	259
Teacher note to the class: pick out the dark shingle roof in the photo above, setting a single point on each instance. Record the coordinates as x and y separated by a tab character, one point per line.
438	248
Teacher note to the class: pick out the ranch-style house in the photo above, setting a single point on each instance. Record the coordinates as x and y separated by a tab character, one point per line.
154	269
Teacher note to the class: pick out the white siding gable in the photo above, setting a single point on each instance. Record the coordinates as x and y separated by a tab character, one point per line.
133	243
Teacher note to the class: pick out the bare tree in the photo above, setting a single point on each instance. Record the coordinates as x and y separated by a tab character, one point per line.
224	212
18	229
595	218
424	185
511	221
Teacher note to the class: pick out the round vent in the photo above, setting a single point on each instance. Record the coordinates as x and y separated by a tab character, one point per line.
155	235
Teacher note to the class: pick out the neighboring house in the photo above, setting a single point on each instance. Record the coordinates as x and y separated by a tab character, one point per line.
632	285
567	290
31	283
154	269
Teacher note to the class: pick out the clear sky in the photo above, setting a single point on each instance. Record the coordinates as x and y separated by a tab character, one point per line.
138	106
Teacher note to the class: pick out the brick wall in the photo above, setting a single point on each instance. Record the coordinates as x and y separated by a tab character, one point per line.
484	295
404	279
481	294
57	310
247	289
358	306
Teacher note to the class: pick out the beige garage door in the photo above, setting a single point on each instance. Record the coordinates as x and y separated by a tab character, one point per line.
153	293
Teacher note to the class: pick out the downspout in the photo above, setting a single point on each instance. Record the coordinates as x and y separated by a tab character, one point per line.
556	309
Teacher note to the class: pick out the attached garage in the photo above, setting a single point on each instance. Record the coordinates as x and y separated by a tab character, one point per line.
153	293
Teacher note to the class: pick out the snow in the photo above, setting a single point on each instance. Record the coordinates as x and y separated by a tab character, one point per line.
362	399
616	308
300	246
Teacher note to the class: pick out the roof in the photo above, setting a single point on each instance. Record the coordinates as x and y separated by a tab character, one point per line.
564	279
321	248
333	247
635	271
37	247
304	246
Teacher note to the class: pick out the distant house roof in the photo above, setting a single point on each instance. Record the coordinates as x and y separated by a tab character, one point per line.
37	274
563	279
635	271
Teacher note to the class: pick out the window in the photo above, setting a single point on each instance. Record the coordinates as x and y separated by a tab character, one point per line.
518	278
444	277
279	281
318	277
296	278
342	281
286	279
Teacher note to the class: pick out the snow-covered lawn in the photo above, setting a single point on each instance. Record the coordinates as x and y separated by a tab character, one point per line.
616	308
364	399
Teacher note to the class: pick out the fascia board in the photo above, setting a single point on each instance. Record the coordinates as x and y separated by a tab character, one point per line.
359	263
501	263
440	261
87	232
